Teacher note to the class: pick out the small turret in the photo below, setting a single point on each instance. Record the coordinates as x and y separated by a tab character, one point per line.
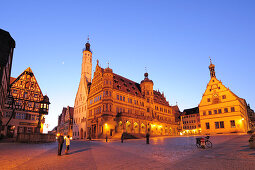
212	69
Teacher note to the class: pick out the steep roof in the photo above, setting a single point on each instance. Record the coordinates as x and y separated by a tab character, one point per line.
190	111
12	79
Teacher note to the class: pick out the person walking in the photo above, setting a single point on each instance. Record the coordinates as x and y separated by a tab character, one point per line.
60	144
67	144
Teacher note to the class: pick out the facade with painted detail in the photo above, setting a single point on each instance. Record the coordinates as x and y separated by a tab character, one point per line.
222	111
22	110
117	104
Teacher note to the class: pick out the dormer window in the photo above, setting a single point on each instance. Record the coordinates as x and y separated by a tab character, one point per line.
118	86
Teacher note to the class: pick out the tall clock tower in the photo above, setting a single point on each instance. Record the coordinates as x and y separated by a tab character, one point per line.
80	104
86	68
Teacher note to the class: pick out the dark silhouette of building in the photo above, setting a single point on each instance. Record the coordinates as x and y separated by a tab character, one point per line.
7	45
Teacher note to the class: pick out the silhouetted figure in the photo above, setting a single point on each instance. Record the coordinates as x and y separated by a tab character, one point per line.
106	139
147	138
60	144
122	137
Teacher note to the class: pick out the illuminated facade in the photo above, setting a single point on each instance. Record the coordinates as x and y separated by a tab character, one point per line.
117	104
221	111
80	105
190	122
65	121
25	106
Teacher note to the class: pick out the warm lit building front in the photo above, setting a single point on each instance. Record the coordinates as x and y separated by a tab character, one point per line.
221	111
65	121
111	104
22	108
190	121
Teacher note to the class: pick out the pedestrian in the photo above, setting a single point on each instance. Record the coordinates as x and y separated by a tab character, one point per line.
122	137
67	144
60	144
106	139
147	138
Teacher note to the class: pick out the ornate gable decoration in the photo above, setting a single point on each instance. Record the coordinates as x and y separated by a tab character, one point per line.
26	91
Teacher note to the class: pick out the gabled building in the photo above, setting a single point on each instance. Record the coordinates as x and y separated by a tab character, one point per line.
65	121
190	121
22	108
221	110
117	104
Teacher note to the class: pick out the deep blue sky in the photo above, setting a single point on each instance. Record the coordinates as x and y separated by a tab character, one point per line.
173	39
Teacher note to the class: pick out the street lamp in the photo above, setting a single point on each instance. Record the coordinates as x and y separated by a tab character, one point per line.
44	108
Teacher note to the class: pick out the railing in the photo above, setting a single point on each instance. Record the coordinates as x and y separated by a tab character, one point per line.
35	138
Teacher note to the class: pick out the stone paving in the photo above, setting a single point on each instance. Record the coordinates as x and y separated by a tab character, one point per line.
229	152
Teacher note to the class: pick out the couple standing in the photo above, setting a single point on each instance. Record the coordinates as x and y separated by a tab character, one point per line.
60	144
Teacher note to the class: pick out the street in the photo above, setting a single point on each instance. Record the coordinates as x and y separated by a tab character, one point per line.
228	152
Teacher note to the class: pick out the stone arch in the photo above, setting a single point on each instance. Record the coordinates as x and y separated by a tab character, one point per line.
136	127
143	128
120	126
128	127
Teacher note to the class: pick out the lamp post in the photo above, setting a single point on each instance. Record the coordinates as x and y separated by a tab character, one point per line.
43	110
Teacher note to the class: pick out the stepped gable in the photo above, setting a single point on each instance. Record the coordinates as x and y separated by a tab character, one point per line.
126	85
160	98
71	112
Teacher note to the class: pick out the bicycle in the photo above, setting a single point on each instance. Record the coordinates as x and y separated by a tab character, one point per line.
208	143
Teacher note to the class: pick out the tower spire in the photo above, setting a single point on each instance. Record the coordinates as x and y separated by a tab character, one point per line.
212	68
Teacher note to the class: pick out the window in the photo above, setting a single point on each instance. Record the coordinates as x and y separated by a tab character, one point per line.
224	97
226	110
148	109
208	99
219	110
217	126
118	97
215	111
210	112
123	98
204	113
232	124
232	109
221	124
207	125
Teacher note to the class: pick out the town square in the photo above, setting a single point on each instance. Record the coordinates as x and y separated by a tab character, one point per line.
127	85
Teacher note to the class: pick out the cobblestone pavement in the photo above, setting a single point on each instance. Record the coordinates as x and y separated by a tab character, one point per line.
229	152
